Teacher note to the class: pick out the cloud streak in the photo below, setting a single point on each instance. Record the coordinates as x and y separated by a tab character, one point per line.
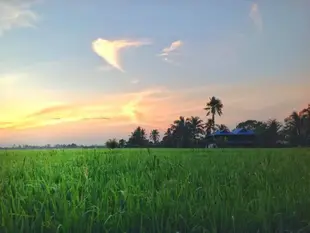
110	50
168	51
113	109
141	108
16	14
256	16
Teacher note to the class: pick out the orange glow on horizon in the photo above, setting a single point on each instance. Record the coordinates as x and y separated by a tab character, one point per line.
152	108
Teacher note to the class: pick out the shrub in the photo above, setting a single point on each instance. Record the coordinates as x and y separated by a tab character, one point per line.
111	143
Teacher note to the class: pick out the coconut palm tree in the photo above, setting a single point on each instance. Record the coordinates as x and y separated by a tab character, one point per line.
154	136
272	132
181	131
196	126
122	143
296	127
138	137
213	107
168	138
305	114
209	127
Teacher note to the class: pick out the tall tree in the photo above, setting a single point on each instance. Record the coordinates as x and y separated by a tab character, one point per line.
168	140
195	125
296	128
209	127
181	131
154	136
213	107
138	137
305	113
271	134
122	143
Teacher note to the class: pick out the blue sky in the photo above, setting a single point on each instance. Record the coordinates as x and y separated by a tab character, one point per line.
248	53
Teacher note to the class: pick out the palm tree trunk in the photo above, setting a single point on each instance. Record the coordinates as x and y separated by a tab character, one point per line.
213	122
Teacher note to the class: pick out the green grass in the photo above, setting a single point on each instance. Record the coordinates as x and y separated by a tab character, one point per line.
161	191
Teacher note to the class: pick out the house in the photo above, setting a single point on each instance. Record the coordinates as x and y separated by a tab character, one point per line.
237	137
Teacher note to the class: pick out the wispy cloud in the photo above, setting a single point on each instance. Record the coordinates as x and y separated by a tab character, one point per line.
167	52
113	108
109	50
141	108
256	16
16	14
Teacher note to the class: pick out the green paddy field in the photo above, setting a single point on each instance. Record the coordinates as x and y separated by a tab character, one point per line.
160	190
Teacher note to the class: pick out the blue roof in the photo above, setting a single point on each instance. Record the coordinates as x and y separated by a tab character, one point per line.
222	132
238	131
241	131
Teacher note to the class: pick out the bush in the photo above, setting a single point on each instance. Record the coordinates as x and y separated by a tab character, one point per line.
111	143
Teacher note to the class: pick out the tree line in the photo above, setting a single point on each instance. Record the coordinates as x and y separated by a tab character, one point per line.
193	132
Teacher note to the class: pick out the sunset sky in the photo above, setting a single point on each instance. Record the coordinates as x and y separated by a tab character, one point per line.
85	71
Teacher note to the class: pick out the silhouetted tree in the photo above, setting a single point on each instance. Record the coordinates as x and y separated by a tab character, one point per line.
138	138
181	132
250	125
305	113
213	107
271	133
154	136
168	139
111	143
209	127
296	127
121	143
189	132
195	125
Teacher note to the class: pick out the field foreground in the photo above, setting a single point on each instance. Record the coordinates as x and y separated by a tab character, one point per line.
164	191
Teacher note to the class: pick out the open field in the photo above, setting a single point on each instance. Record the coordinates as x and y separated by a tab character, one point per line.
161	190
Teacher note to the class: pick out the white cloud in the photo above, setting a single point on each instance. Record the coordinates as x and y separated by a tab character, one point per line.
166	52
255	15
16	14
109	49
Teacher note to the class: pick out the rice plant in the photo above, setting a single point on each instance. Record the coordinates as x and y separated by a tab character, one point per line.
162	190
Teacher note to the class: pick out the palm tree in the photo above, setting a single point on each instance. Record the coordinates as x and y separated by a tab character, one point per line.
296	127
209	127
305	112
138	137
168	133
195	125
168	138
213	107
181	131
154	136
271	134
122	143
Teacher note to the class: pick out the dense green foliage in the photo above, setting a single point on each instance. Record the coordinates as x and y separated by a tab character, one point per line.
162	190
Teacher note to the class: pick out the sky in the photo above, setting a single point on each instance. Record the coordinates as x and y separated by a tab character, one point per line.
86	71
